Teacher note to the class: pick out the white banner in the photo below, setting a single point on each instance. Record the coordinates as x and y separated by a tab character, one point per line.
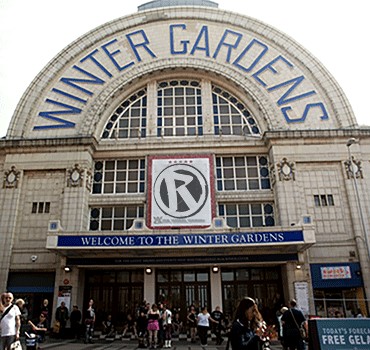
180	193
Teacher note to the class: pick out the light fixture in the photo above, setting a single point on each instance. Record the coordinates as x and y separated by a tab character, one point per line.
215	269
148	270
299	266
67	269
351	141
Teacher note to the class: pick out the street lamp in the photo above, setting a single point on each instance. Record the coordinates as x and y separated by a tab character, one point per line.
352	168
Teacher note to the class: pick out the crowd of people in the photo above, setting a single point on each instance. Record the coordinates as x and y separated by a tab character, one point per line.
154	325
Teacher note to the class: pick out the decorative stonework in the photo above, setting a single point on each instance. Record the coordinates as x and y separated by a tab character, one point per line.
272	175
88	179
75	176
286	170
11	178
354	167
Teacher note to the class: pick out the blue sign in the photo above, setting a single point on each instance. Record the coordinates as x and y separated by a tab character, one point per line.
181	240
319	281
341	334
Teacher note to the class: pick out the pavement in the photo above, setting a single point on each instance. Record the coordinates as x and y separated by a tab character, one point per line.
102	344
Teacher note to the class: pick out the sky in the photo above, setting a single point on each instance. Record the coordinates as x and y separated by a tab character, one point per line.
32	32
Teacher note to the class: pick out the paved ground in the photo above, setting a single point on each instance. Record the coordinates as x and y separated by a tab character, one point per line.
129	345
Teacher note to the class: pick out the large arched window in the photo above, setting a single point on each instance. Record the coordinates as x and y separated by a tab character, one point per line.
177	108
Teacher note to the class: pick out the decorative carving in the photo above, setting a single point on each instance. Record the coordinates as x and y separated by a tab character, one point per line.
272	174
88	179
353	167
75	176
11	178
286	170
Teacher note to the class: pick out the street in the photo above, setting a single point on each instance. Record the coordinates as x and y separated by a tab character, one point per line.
129	344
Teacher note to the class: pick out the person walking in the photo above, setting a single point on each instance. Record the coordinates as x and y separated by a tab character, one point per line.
292	320
10	323
203	319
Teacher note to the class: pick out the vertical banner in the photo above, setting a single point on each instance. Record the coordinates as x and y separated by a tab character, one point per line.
64	294
180	191
301	295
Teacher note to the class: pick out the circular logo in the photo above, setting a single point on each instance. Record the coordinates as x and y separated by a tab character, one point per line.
180	191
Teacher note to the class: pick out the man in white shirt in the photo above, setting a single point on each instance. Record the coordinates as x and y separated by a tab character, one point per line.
167	325
10	321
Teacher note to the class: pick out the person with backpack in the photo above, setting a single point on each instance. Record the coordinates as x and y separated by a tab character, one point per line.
292	321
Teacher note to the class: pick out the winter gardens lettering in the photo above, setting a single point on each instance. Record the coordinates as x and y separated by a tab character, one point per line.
250	56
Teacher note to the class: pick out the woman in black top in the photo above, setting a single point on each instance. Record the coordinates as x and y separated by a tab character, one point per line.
244	333
192	323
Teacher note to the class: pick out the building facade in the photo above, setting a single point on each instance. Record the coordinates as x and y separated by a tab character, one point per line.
187	155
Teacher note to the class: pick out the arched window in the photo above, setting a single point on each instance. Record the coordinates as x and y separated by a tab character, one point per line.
179	111
129	119
231	117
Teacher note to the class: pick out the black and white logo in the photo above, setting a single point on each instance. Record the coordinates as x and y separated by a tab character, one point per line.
180	191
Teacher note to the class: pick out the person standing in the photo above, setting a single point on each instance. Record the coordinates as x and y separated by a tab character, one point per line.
10	323
203	319
45	310
153	326
192	323
62	316
247	320
167	326
291	320
142	324
217	325
280	328
24	314
89	322
75	319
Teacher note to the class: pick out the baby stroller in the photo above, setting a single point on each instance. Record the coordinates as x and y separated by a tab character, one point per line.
31	341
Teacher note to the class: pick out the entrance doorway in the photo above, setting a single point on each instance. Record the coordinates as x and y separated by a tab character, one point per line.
181	288
118	293
264	284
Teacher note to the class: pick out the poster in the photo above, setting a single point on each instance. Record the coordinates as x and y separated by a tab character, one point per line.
301	295
64	294
180	191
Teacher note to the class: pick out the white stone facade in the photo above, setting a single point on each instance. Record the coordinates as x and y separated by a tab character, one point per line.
304	121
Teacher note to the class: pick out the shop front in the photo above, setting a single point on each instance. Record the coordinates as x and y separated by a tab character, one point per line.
338	290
